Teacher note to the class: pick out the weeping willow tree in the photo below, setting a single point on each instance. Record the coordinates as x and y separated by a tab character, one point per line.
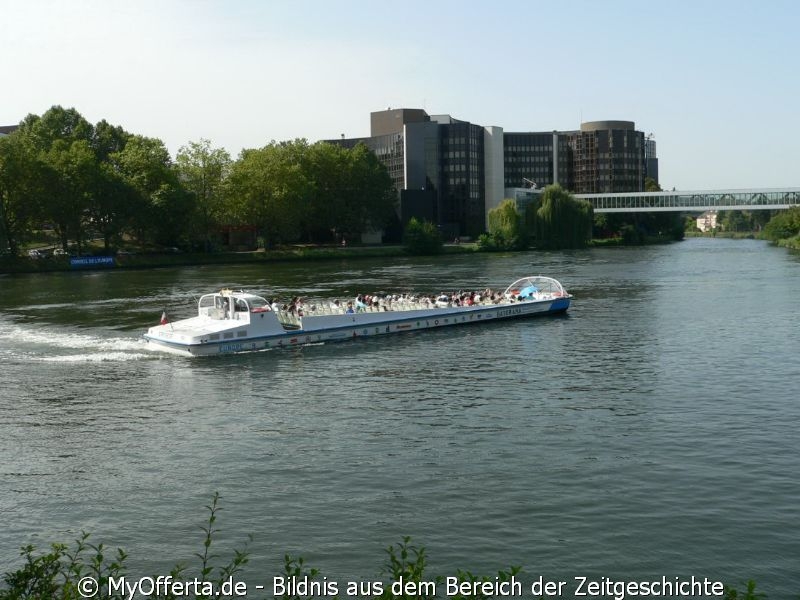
506	229
558	220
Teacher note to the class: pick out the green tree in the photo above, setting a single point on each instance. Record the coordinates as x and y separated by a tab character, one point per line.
202	171
20	191
507	229
268	188
651	185
108	139
784	225
733	220
156	197
61	140
561	221
351	191
69	175
368	201
325	175
112	203
422	237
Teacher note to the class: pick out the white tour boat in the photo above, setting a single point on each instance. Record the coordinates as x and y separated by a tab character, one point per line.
230	321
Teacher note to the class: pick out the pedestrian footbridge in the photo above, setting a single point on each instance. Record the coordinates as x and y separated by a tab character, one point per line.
694	201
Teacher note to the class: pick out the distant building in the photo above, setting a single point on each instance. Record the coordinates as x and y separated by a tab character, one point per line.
650	158
707	221
601	157
445	170
453	172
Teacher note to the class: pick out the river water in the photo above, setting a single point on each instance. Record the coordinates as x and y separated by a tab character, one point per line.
653	431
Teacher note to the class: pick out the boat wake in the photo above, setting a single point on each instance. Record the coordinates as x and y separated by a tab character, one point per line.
57	345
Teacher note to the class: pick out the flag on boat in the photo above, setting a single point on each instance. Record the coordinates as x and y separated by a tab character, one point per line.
164	320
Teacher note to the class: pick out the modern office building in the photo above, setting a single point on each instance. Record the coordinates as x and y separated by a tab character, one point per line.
453	172
445	170
650	158
601	157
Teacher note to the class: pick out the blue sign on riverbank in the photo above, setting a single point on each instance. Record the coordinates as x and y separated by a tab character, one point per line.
83	262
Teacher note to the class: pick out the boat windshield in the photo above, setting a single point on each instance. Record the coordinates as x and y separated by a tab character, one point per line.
256	302
535	288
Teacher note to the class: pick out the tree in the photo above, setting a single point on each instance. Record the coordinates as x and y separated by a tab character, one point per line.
784	225
268	188
293	191
146	167
351	191
369	200
202	171
20	191
651	185
60	140
112	204
506	229
70	171
422	237
560	221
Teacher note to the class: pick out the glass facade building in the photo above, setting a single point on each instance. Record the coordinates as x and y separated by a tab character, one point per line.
457	171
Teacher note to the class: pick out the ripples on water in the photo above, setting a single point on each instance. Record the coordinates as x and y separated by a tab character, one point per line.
650	432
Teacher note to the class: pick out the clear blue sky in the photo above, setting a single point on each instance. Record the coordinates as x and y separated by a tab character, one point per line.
716	82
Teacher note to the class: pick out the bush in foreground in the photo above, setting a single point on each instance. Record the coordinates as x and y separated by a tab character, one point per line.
59	574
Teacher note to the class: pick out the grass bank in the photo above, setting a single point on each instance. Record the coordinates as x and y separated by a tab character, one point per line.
734	235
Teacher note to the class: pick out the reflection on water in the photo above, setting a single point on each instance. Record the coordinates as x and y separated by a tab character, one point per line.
650	432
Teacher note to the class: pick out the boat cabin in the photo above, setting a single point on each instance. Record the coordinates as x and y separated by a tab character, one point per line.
227	304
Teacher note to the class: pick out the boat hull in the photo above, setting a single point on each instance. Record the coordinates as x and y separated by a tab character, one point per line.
350	326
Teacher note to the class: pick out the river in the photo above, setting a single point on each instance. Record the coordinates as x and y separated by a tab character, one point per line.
652	431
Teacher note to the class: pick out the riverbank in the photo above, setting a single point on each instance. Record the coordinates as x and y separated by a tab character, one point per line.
730	235
791	243
156	260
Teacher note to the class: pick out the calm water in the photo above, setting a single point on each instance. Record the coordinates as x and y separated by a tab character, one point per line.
652	431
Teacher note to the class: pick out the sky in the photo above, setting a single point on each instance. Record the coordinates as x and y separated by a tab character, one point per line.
715	82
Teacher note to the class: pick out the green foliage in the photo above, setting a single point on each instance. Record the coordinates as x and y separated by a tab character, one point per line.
422	237
690	224
202	171
650	185
56	574
784	225
294	191
21	191
639	228
506	229
559	220
734	220
407	563
58	169
749	593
